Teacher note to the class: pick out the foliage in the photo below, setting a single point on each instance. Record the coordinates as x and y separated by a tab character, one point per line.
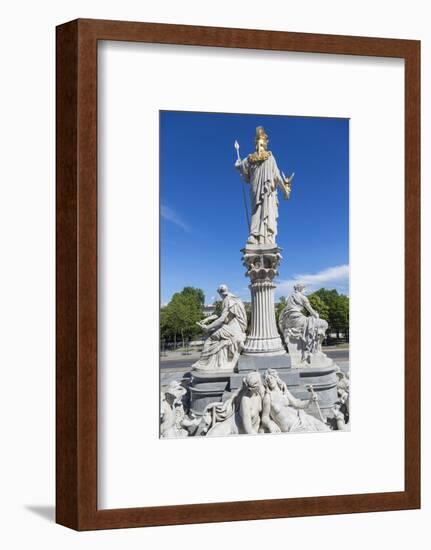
179	317
218	307
319	305
279	307
196	293
337	310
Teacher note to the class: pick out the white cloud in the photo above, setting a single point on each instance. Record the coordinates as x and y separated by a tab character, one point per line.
332	277
171	216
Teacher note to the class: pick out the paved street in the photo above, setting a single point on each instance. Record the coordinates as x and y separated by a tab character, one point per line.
177	362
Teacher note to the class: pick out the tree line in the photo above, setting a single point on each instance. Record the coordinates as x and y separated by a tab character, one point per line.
179	317
331	306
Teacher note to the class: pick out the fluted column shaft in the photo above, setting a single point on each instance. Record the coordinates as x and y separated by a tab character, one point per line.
263	337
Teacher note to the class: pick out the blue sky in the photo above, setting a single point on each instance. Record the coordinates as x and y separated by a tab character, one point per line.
203	223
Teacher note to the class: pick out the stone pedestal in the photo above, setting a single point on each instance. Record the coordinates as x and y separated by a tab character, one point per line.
262	263
318	359
207	387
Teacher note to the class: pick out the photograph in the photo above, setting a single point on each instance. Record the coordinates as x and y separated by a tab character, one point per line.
214	241
254	274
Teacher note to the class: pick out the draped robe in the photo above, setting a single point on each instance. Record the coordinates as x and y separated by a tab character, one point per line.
263	177
224	344
293	321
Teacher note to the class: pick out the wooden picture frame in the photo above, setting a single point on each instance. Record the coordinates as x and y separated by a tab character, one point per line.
76	375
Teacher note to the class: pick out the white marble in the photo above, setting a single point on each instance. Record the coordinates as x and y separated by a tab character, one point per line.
260	170
241	413
303	335
258	407
282	412
225	334
172	413
343	391
263	337
261	256
174	421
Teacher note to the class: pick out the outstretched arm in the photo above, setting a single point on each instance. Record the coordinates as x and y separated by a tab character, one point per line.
282	182
243	168
218	322
207	320
294	402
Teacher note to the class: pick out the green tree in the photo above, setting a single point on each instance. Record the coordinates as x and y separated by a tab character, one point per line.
164	322
319	305
279	307
179	317
338	310
340	316
218	308
196	293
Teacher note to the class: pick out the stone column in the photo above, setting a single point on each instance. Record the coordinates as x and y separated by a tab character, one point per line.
262	263
263	348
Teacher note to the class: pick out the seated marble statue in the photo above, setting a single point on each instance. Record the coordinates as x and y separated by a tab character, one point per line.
174	422
303	334
240	414
226	334
282	412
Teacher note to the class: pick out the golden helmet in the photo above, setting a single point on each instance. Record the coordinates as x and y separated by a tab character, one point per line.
260	134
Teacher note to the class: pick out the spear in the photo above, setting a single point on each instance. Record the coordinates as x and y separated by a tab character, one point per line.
237	150
313	393
247	216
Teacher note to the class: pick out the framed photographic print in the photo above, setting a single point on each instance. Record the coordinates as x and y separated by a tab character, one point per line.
238	282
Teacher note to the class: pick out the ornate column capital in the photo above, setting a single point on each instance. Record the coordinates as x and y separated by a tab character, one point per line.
261	261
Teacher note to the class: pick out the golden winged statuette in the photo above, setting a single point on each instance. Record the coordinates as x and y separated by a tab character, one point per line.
287	184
